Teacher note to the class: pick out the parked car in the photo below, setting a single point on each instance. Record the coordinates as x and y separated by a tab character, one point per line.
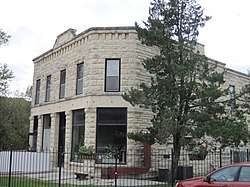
233	175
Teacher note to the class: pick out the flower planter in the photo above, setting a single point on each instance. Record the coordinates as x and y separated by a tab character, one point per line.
197	157
198	153
109	160
86	157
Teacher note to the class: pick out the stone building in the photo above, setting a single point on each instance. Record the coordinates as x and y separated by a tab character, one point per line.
77	87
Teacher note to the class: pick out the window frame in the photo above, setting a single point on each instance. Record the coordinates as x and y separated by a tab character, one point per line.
232	94
48	88
62	88
117	121
79	78
74	126
37	94
106	89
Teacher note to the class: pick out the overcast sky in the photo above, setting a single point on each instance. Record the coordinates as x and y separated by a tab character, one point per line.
35	24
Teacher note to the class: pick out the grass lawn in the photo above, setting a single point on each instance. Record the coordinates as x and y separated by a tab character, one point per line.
27	182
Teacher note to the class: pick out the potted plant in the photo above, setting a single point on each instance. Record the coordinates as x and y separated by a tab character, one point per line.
109	155
198	153
86	152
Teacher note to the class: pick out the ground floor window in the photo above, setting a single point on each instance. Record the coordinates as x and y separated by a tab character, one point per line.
111	134
78	131
46	132
33	135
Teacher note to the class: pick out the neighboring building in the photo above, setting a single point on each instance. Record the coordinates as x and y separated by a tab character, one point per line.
77	91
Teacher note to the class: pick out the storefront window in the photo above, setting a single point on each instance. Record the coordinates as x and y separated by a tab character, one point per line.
78	131
111	134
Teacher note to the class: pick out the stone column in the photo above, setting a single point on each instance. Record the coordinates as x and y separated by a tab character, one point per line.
90	126
68	138
54	135
40	133
90	137
53	146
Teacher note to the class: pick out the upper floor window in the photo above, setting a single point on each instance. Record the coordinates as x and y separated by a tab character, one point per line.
48	88
37	96
79	79
232	92
62	83
112	75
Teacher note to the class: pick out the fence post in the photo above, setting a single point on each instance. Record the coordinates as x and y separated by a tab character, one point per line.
60	165
116	174
10	166
247	155
220	158
231	156
172	167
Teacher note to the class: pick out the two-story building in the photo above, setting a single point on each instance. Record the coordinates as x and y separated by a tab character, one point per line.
77	91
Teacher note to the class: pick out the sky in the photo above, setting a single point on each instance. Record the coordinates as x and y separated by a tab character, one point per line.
35	24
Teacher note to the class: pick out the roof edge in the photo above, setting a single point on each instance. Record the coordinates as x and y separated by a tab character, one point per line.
84	32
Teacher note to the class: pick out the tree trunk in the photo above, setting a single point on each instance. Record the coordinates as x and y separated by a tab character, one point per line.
175	156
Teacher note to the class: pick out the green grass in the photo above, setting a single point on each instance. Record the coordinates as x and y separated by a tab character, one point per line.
27	182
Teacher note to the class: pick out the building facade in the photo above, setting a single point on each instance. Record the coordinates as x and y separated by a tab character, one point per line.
77	87
77	91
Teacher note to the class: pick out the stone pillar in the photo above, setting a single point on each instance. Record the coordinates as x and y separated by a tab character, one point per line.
90	137
40	133
90	126
68	138
53	146
53	142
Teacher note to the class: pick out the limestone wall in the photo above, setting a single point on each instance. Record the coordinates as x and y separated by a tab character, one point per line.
92	47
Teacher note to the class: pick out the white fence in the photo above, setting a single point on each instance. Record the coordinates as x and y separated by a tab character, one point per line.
24	162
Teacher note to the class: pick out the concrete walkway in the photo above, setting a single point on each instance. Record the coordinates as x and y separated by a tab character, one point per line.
68	177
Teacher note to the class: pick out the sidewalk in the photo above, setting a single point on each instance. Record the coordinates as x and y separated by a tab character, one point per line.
68	177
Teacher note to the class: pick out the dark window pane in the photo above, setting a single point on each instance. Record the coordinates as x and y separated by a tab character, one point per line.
78	117
48	88
35	129
78	132
63	77
111	134
112	116
79	86
80	71
112	83
79	79
62	84
37	96
62	91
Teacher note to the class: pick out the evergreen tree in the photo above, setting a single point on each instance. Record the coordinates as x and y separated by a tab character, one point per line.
4	37
186	92
5	74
